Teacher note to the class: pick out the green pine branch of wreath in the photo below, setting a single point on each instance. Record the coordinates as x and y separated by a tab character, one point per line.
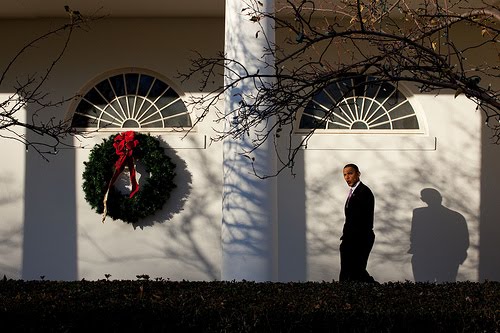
152	195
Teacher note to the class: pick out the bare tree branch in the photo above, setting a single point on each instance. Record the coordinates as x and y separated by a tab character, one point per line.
29	92
325	41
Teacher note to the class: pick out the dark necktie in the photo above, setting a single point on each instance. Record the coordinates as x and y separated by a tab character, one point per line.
349	197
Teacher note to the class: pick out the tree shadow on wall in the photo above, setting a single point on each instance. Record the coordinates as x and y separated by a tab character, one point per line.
439	240
11	230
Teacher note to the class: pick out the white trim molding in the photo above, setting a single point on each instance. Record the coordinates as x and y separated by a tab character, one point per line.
364	142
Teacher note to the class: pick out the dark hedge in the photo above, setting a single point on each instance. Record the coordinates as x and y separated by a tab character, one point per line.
156	306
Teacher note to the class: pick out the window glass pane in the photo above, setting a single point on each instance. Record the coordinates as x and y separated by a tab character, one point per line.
95	98
338	123
406	123
145	109
384	92
82	121
115	109
118	84
108	118
132	80
395	99
179	121
85	107
154	120
168	97
145	83
157	90
402	110
339	90
175	108
378	116
325	98
307	121
123	105
382	123
106	91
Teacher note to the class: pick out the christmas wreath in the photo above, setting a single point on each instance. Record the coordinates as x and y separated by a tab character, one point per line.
108	159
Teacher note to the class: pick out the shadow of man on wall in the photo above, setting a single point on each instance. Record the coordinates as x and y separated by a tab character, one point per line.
439	240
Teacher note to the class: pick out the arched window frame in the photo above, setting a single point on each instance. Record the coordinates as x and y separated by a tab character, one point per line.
123	71
404	91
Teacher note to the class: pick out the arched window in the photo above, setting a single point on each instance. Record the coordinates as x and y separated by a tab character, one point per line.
360	104
130	100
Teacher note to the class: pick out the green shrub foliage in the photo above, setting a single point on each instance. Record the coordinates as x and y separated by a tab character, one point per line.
154	306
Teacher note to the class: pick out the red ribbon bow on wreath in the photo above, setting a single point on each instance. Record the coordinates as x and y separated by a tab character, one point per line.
124	144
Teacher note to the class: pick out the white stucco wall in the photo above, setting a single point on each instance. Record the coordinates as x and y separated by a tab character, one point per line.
63	237
11	204
48	228
454	156
396	177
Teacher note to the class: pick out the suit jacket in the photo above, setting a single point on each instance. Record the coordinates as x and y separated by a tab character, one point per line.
359	212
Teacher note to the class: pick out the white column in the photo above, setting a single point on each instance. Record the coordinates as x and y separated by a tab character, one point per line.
249	237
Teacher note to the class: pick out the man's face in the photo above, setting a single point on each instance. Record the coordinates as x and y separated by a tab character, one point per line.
351	176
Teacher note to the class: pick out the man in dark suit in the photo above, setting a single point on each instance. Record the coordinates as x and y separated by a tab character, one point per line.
357	235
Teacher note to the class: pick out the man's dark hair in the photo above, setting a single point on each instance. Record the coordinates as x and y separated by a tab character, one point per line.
351	165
